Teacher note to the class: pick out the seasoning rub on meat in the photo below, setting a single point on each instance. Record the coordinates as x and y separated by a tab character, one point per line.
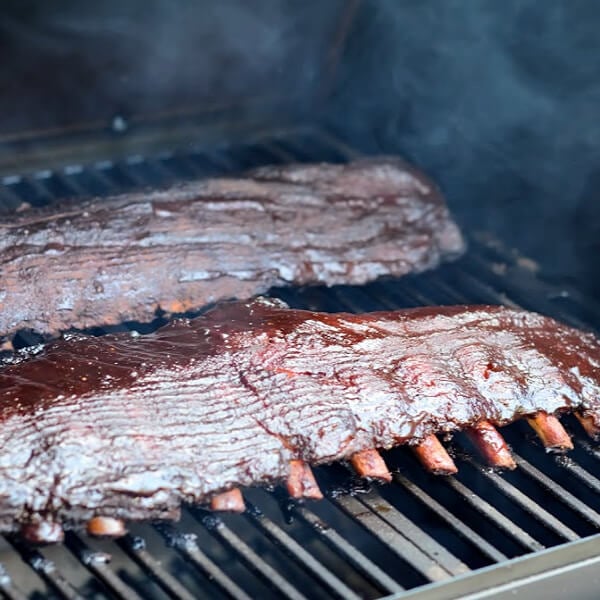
96	430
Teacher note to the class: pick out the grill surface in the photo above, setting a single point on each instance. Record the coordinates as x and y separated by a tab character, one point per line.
361	542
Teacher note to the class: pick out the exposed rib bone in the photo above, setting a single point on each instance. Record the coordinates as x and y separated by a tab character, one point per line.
551	433
301	482
433	456
230	501
7	346
488	441
589	425
106	527
368	463
45	532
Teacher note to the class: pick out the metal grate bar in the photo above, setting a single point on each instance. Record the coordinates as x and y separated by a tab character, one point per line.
407	528
532	507
206	165
464	530
9	199
45	568
578	471
180	166
276	150
496	252
125	176
310	149
349	552
494	515
400	545
8	588
250	157
293	548
98	564
135	548
413	294
166	174
471	282
174	168
559	491
591	450
534	296
186	545
252	559
381	294
104	173
66	182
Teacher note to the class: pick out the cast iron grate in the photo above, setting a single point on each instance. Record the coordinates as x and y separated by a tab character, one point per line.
361	542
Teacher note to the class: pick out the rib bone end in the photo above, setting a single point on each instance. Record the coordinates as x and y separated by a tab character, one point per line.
551	433
492	446
368	463
106	527
45	532
589	425
434	458
301	482
230	501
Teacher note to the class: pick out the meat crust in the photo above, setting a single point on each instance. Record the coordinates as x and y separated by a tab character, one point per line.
125	258
128	426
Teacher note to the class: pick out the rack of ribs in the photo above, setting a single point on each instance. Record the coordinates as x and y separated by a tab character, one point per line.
124	258
98	430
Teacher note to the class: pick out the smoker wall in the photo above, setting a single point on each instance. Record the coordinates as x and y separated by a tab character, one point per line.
68	64
499	102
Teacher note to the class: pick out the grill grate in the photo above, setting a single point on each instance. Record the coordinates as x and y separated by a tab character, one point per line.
360	542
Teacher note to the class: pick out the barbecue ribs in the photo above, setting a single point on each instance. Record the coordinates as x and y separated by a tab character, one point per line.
99	429
124	258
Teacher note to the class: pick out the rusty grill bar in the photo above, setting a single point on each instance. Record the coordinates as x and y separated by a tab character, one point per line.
361	542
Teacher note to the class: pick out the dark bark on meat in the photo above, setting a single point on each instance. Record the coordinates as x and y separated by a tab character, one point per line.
127	427
123	258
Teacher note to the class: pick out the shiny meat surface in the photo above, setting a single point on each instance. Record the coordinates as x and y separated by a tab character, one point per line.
124	258
129	426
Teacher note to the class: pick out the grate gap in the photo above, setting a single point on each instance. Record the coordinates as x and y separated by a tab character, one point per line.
46	569
403	547
299	554
7	588
503	522
457	524
135	548
560	492
186	544
407	528
252	559
97	563
342	546
529	505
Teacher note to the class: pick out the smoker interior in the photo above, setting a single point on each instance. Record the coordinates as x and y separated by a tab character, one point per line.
363	541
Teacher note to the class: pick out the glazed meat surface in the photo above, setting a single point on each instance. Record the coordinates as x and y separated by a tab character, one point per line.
129	426
123	258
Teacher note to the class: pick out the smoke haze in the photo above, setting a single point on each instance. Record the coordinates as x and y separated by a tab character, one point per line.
499	101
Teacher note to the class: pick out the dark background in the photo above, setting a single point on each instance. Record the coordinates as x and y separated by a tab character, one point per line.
500	102
497	101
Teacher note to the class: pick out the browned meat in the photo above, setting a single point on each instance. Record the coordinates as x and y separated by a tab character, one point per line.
126	427
122	258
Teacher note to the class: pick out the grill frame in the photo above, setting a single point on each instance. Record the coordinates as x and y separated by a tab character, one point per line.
488	273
